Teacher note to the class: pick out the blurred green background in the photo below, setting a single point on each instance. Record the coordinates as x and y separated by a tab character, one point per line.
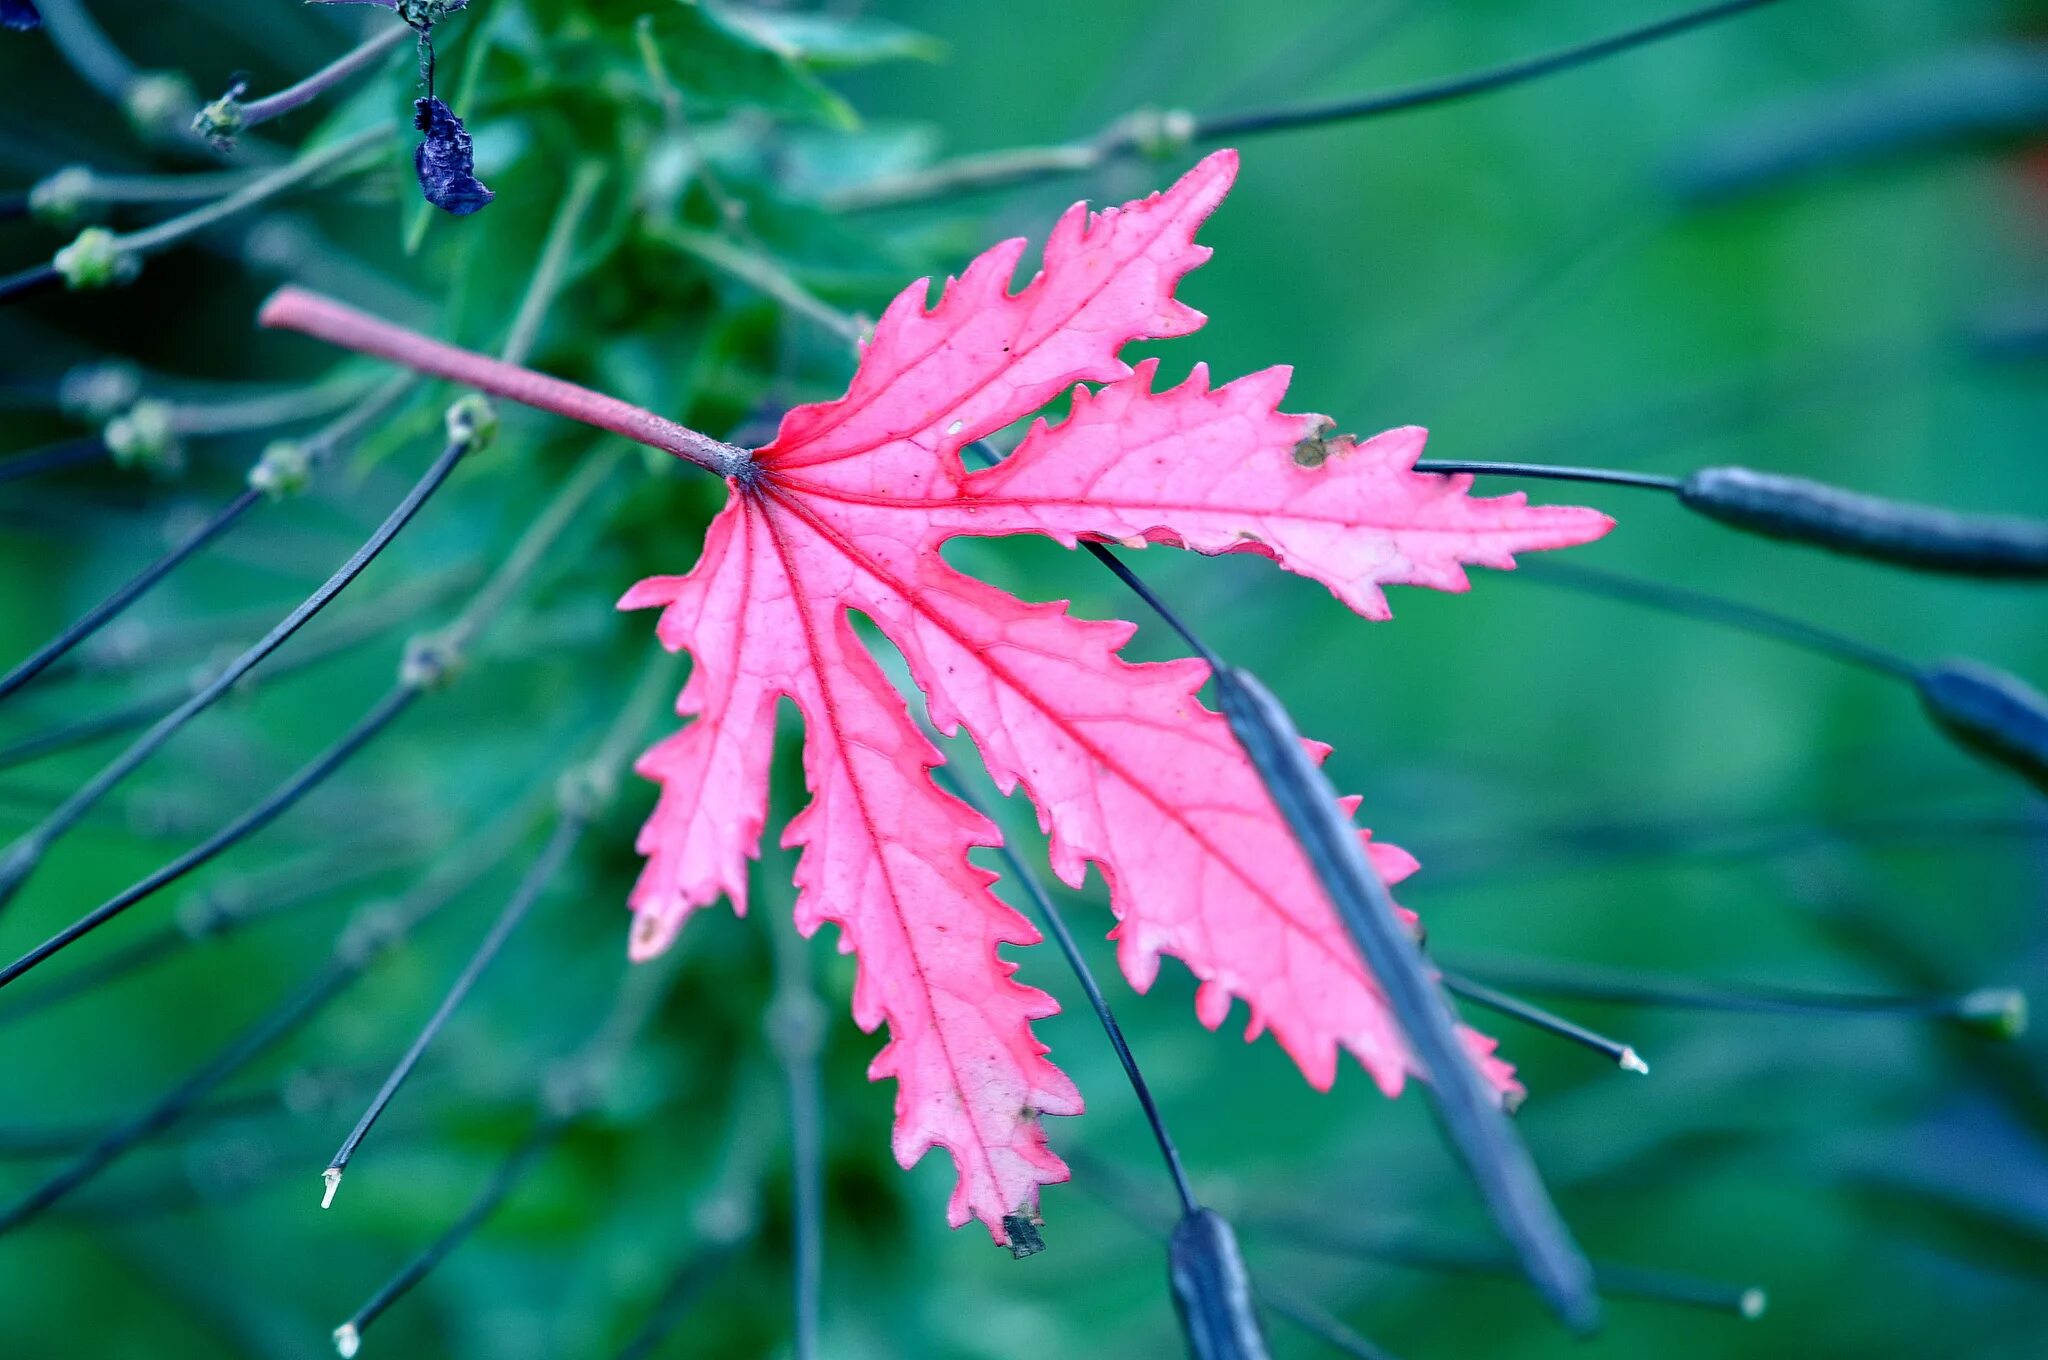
1808	239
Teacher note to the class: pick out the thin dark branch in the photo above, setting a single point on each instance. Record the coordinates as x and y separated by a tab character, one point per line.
1070	949
106	610
218	912
1413	1251
1464	87
348	1336
296	1010
1616	1052
2002	1009
40	278
255	819
1649	481
1699	605
21	858
1152	132
359	945
689	1283
70	453
568	831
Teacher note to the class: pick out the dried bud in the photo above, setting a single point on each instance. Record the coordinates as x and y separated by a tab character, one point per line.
96	260
446	160
221	121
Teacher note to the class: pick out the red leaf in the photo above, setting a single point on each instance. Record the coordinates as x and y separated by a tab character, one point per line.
1127	768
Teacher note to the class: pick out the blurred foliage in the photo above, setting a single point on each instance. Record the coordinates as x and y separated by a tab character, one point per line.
1543	273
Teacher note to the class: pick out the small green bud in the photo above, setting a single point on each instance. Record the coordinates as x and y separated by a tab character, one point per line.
285	469
374	929
96	260
98	392
431	661
144	437
160	103
221	121
2000	1012
472	421
63	198
583	791
1160	133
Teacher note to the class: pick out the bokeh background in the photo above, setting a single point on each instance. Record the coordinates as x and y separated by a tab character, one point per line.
1807	239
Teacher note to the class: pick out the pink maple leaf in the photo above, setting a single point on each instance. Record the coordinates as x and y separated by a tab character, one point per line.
846	511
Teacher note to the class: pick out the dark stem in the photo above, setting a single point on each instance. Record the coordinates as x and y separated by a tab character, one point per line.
244	826
21	858
689	1282
70	453
296	1010
40	278
1649	481
511	1171
1470	1112
568	830
1071	950
1699	605
106	610
219	911
1996	1006
1465	86
360	944
1620	1054
340	641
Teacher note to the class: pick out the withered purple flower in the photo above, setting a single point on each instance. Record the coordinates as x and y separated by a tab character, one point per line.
19	15
445	160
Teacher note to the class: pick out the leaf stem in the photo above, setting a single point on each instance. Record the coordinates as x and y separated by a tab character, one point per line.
323	318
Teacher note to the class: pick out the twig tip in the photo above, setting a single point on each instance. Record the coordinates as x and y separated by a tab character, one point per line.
332	1177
